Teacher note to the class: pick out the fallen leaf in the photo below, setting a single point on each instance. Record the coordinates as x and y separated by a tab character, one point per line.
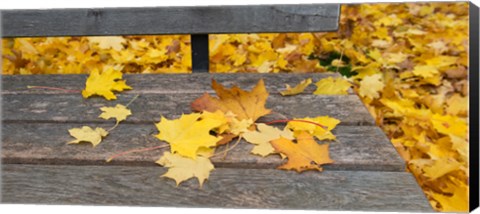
441	167
297	89
119	112
261	138
332	86
181	168
103	84
425	71
448	124
304	155
188	133
87	134
107	42
314	128
371	85
244	104
457	200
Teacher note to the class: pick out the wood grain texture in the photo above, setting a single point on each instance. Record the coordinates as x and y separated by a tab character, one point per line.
230	188
161	83
148	108
358	148
170	20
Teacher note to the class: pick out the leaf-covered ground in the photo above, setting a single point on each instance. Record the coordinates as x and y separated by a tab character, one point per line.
407	62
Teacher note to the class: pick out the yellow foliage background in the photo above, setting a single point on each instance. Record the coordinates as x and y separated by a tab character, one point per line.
411	60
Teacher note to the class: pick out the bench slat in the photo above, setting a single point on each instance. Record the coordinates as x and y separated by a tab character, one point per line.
170	20
228	188
148	108
161	83
358	148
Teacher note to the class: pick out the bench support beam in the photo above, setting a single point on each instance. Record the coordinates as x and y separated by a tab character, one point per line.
200	56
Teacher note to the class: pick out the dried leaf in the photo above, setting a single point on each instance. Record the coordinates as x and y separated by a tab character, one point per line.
306	154
297	89
332	86
314	128
181	168
119	112
244	104
88	135
103	84
371	85
261	138
188	133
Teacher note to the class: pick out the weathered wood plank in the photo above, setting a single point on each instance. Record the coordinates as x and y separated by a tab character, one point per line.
170	20
358	148
230	188
160	83
148	108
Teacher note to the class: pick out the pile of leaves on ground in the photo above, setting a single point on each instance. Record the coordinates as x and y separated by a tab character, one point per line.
408	62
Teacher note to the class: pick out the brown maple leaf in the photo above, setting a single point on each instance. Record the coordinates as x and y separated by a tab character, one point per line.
244	104
304	155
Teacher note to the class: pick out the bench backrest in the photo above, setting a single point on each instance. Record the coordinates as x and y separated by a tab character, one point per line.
198	21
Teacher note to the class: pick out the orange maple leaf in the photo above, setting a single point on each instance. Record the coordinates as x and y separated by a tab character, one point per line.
304	155
244	104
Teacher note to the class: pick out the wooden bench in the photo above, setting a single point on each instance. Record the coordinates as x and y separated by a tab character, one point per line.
38	166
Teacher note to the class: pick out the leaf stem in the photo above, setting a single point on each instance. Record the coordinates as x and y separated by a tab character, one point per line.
51	88
133	99
226	150
135	150
295	120
115	126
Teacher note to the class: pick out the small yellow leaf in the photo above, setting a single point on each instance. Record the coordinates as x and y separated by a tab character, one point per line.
238	127
371	85
181	168
457	105
450	125
297	89
107	42
119	112
261	138
103	84
425	71
313	129
87	134
441	167
332	86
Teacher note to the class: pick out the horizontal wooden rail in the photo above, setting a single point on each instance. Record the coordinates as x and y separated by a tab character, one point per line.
170	20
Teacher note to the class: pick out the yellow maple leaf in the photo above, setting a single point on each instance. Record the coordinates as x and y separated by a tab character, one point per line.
440	167
425	71
457	200
87	134
297	89
457	105
244	104
181	168
448	124
188	133
306	154
371	85
107	42
299	125
220	118
261	138
119	112
103	84
332	86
